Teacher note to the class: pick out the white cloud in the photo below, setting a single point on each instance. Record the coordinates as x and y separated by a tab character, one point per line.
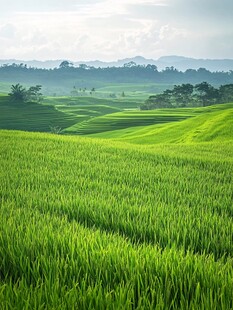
7	31
171	33
110	29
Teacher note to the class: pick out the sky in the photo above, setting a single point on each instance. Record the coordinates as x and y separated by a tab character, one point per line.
114	29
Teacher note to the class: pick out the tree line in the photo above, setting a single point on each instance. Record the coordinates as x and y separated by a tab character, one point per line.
188	95
129	73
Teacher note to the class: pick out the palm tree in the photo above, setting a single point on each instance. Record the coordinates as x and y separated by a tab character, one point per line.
18	93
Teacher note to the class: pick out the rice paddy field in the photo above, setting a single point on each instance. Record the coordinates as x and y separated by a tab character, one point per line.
136	216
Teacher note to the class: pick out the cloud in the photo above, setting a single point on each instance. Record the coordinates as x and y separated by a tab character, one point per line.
8	31
171	33
110	29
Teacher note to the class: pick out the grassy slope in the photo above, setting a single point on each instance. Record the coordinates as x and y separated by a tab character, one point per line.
5	88
32	116
86	108
63	112
119	103
107	225
202	124
102	224
137	92
127	119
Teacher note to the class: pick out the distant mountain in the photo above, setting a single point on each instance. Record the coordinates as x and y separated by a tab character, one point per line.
179	62
184	63
47	64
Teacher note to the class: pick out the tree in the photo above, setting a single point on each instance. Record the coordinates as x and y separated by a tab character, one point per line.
34	94
206	93
21	94
182	94
152	67
130	64
188	95
18	93
65	64
84	66
112	95
74	92
157	101
226	93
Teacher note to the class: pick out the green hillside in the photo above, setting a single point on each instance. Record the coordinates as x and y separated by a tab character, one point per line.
126	119
62	112
32	116
119	103
96	224
137	215
5	88
213	123
117	119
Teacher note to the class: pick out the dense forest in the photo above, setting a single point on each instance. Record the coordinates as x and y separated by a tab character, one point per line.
66	74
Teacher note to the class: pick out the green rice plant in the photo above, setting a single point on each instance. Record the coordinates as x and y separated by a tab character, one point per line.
126	119
32	116
57	264
167	125
146	195
100	224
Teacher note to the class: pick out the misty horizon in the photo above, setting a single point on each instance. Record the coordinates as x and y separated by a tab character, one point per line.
179	62
113	59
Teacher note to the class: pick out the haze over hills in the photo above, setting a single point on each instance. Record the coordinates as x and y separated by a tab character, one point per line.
179	62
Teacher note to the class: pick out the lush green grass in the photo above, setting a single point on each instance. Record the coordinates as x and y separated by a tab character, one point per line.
32	116
137	92
92	223
126	119
5	88
62	112
88	111
116	119
119	103
97	224
212	123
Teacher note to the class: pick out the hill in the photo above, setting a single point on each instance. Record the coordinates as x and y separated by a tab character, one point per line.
139	217
62	112
118	119
212	123
32	116
126	119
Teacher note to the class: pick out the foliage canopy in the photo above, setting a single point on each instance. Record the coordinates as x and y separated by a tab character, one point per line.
188	95
21	94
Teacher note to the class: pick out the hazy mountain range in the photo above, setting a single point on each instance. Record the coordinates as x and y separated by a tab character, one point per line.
179	62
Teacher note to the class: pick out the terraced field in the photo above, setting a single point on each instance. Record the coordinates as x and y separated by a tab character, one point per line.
137	92
61	112
139	219
111	119
116	121
212	123
120	103
32	116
